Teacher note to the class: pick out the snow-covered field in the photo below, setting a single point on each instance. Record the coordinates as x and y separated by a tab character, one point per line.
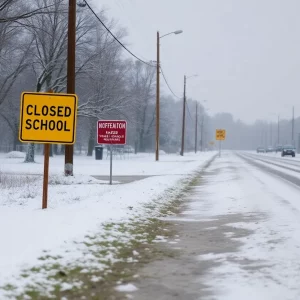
76	206
140	164
266	265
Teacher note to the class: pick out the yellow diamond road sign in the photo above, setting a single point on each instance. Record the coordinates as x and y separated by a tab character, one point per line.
220	134
48	118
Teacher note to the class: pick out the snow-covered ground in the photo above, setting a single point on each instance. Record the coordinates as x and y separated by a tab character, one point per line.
140	164
266	265
76	206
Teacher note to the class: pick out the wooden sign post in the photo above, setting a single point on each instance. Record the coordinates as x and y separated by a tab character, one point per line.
48	118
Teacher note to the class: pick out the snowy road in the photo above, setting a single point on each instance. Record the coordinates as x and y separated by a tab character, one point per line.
287	162
281	167
238	237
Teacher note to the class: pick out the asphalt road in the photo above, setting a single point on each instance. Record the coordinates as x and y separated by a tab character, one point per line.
267	164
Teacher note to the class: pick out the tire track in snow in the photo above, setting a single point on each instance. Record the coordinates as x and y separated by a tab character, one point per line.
283	175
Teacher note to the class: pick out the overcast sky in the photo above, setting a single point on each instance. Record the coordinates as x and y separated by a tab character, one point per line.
246	52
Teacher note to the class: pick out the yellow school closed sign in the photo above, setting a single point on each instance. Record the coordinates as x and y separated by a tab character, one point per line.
48	118
220	134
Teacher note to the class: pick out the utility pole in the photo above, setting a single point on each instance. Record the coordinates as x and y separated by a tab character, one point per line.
71	76
202	124
157	102
278	139
196	129
271	135
293	124
158	89
183	117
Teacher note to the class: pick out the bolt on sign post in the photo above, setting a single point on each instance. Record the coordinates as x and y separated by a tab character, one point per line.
48	118
220	136
111	132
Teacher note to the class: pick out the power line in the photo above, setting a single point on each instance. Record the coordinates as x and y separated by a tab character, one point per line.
165	79
187	106
188	109
116	37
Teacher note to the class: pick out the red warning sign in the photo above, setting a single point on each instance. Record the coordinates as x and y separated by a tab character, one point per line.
112	132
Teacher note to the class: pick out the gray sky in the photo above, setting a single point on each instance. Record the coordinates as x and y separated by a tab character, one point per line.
246	52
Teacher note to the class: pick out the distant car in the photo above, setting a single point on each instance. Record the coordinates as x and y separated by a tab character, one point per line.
260	150
288	150
270	149
278	148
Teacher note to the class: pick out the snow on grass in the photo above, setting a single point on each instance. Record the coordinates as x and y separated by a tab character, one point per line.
15	154
60	179
39	245
129	287
141	164
102	256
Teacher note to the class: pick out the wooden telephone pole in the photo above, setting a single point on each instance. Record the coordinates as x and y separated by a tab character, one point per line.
196	129
71	76
183	117
157	102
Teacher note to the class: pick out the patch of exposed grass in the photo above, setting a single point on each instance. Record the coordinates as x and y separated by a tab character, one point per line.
49	257
121	269
8	287
32	293
35	270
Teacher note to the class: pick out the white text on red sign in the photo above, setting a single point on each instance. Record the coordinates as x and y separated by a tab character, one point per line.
112	132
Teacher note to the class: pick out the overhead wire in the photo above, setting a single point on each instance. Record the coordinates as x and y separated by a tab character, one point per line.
186	103
188	109
121	7
131	53
165	79
116	39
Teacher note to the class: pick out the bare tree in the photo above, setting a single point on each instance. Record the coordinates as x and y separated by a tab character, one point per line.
9	116
141	84
105	93
49	60
14	50
170	128
16	10
14	61
10	108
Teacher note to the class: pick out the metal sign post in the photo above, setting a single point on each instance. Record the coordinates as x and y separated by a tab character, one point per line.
111	132
110	170
220	136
